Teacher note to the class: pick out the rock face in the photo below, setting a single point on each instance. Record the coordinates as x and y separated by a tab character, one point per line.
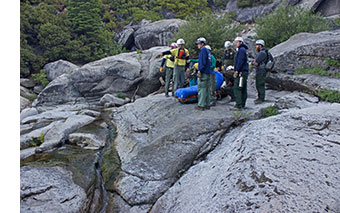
57	68
304	83
51	190
328	7
290	165
306	50
156	33
158	138
148	34
126	73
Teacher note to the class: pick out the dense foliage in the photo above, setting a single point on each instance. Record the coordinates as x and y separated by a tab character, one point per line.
287	21
215	30
81	31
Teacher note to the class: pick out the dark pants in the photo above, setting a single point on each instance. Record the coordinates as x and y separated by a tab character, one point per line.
203	90
260	86
241	92
213	88
168	76
179	77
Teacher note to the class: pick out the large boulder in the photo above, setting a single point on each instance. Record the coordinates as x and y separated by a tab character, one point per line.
306	50
57	68
147	34
157	33
123	73
284	163
159	138
328	7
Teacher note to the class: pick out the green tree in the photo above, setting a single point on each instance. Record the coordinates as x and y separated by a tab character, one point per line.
287	21
215	30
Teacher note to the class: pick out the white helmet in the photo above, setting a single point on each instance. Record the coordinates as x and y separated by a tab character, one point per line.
260	42
239	39
208	47
201	40
180	41
173	45
230	67
227	44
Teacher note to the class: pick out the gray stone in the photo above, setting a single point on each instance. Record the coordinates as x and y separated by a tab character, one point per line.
24	102
28	112
48	116
50	189
126	37
86	140
158	138
110	100
37	89
26	93
296	100
57	135
328	7
157	33
120	73
283	163
306	50
25	139
58	68
91	113
28	83
303	83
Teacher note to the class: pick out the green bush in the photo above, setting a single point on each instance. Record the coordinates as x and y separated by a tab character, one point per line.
252	3
270	111
38	141
215	30
329	95
332	62
286	21
314	71
40	78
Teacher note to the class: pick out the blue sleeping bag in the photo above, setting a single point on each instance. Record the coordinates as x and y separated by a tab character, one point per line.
183	93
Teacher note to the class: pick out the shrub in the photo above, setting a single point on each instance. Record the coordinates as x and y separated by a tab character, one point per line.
38	141
270	111
215	30
251	3
40	78
329	95
314	71
286	21
332	62
121	95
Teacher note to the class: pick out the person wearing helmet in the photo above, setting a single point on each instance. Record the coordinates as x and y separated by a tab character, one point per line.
260	63
228	83
229	54
204	63
241	70
212	79
169	69
181	56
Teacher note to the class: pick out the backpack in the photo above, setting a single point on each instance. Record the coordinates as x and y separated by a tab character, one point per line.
270	61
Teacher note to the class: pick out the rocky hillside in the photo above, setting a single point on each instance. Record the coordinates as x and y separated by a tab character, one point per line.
99	138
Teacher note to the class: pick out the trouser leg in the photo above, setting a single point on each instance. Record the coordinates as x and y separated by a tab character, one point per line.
168	76
213	88
260	86
203	89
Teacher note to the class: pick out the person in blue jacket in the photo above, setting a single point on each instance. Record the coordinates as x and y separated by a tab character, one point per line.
241	71
203	74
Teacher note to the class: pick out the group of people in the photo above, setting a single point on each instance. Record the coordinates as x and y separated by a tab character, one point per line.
234	67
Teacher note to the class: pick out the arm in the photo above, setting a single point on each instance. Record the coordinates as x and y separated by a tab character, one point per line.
163	62
241	57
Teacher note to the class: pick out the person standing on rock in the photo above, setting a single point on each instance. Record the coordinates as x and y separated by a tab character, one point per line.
181	56
203	74
260	65
212	79
169	69
229	54
241	71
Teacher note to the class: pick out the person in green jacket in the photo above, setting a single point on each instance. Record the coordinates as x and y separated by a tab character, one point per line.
229	54
213	97
260	63
168	60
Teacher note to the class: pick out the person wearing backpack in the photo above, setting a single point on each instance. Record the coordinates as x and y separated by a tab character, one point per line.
181	56
261	72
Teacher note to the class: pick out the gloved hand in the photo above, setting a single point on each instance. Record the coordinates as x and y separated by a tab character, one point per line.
235	74
161	69
199	75
222	67
160	55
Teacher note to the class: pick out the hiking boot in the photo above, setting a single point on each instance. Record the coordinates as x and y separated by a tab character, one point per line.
207	108
199	108
212	104
166	95
258	101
